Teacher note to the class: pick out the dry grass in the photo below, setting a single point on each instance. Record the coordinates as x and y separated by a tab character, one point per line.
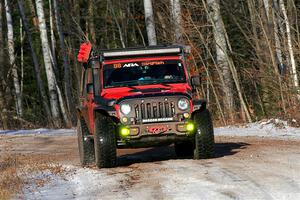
17	170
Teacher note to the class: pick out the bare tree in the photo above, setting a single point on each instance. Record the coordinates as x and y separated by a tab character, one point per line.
91	23
67	77
277	33
47	62
117	23
150	23
52	37
222	53
267	8
3	114
290	47
36	64
33	12
12	60
176	14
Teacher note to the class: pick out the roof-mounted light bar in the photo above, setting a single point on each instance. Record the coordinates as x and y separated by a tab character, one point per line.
141	52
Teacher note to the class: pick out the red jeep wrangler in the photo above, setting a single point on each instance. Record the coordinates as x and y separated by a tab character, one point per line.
140	97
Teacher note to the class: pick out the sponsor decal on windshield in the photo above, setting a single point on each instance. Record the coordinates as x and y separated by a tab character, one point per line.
131	65
117	65
153	63
126	65
146	63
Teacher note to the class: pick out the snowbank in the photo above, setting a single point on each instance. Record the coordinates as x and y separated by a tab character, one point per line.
41	131
268	128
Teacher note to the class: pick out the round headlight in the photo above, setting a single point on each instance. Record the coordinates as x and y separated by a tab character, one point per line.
125	109
183	104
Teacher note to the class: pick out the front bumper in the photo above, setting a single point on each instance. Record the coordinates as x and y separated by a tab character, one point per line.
155	129
152	134
150	141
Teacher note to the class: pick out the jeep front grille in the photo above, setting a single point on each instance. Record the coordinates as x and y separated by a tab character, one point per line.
153	110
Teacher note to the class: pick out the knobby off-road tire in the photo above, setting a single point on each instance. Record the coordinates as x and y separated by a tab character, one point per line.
85	145
184	149
105	142
204	135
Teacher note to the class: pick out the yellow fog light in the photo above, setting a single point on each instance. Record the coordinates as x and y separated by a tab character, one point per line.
124	119
124	131
186	115
190	126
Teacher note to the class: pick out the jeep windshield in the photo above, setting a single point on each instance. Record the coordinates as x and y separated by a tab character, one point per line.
143	73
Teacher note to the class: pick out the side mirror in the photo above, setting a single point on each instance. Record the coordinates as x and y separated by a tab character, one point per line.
90	88
196	81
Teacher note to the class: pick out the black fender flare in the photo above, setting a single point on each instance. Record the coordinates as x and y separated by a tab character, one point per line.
108	111
198	106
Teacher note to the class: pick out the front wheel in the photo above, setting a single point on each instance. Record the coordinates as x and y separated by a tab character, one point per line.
85	145
204	135
105	142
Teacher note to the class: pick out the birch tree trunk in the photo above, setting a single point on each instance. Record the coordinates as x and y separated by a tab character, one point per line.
176	15
221	54
47	62
267	8
150	23
52	36
276	35
67	77
290	47
36	64
11	52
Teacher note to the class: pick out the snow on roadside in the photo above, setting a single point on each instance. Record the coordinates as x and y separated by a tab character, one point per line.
81	183
274	128
174	180
40	131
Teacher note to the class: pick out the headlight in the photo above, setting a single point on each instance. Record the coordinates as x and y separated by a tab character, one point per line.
183	104
125	109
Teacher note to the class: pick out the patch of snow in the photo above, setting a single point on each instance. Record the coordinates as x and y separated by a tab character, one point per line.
40	131
268	128
81	183
55	188
172	179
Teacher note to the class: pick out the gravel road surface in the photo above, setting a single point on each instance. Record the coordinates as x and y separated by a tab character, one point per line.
244	168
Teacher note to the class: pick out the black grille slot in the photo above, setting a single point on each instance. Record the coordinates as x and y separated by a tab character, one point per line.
149	114
167	109
161	109
155	111
143	111
152	110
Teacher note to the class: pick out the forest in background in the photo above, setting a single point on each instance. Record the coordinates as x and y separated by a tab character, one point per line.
247	52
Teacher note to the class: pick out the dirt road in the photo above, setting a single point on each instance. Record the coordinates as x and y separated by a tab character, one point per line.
244	168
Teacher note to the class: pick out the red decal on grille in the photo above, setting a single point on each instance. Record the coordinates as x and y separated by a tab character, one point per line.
157	129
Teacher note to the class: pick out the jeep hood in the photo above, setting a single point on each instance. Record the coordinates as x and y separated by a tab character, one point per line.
120	92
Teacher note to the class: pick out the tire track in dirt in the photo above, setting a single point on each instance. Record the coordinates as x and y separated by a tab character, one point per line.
142	177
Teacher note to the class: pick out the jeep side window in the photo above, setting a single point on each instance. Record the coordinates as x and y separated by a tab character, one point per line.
87	79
